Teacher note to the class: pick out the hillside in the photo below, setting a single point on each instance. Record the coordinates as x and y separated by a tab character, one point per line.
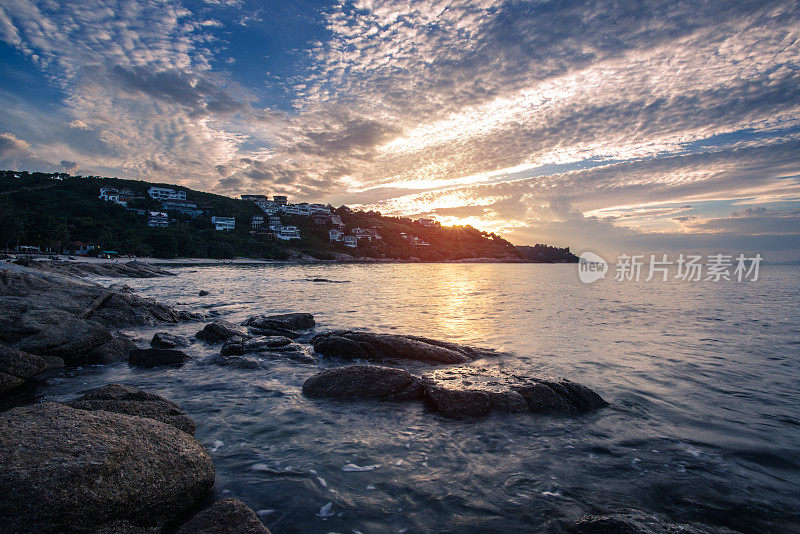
54	211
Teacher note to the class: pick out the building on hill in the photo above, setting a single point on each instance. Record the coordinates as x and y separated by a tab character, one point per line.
337	222
296	209
280	200
165	193
426	222
417	242
350	241
286	233
321	219
318	208
257	222
157	219
274	220
335	235
223	223
255	198
182	206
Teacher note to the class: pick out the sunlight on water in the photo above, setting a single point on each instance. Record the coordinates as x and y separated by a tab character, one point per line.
702	380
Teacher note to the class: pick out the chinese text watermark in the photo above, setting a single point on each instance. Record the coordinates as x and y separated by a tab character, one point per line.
685	267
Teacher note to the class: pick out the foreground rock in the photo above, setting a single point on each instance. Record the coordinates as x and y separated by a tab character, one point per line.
131	401
364	382
635	522
157	357
220	331
69	470
17	367
287	324
371	346
471	391
165	340
457	392
228	516
130	269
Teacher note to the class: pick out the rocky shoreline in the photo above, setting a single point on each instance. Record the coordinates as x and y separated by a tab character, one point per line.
120	459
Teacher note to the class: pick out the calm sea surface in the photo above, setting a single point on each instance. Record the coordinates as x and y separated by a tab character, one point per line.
703	381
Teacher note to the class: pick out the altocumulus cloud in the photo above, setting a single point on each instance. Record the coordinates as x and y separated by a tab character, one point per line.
559	122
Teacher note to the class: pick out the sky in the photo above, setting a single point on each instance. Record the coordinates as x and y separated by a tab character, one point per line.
617	127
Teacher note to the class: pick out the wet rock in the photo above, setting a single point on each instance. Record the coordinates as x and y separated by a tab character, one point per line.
365	382
472	391
275	347
636	522
371	346
131	401
189	316
286	321
228	516
71	340
220	331
165	340
157	357
203	293
238	361
76	470
116	350
17	367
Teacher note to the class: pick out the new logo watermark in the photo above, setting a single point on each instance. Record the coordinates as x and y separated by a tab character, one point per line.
686	267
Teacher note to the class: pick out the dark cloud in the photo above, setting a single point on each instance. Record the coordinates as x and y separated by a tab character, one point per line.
354	138
69	165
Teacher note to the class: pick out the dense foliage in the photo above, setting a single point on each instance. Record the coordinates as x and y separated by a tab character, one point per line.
547	254
54	210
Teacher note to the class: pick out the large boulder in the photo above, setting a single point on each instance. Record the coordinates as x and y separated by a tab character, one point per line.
372	346
71	340
17	367
69	470
228	516
131	401
220	331
116	350
157	357
166	340
473	391
365	382
287	321
636	522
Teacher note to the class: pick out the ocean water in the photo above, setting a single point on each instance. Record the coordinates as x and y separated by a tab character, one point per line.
704	421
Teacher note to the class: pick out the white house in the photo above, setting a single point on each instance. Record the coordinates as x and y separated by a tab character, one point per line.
223	223
337	221
286	232
318	208
256	222
350	241
335	234
426	222
157	219
296	209
280	200
165	193
182	206
111	194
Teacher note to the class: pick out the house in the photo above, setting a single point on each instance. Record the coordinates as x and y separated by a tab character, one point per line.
165	193
157	219
335	234
295	209
255	198
280	200
417	242
274	220
257	222
318	208
223	223
362	233
320	219
426	222
337	222
111	194
81	249
350	241
182	206
286	232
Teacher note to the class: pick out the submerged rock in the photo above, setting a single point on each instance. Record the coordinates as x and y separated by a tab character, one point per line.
372	346
364	382
276	347
72	470
17	367
285	321
471	391
165	340
228	516
157	357
220	331
203	293
636	522
131	401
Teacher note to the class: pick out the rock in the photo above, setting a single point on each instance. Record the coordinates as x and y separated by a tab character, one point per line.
471	391
165	340
265	343
371	346
234	345
17	367
636	522
131	401
203	293
118	349
75	470
228	516
71	340
276	347
157	357
238	361
219	331
190	316
364	381
286	321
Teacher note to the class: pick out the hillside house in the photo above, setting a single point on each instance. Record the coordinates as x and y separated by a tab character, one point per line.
257	222
157	219
426	222
165	193
350	241
182	206
224	223
335	235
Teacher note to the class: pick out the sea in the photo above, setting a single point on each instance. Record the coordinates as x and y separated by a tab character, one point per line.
703	381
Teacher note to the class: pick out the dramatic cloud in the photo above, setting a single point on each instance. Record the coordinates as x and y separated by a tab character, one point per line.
630	124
